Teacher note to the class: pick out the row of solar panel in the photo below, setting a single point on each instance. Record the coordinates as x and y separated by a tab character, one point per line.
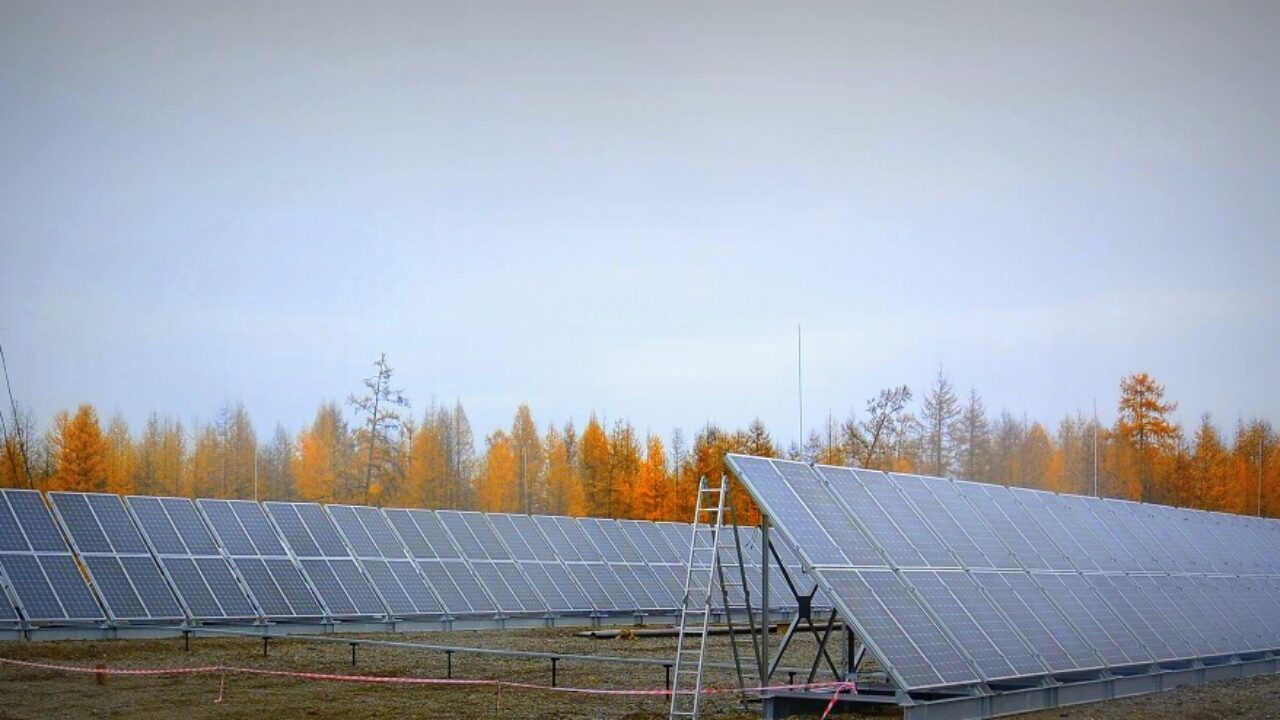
169	559
953	582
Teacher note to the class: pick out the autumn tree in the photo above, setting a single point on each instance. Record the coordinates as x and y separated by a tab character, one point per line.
1075	455
379	435
941	411
121	457
82	453
1255	477
625	460
564	490
1213	471
1145	429
460	452
529	457
16	434
498	489
594	468
1037	458
758	441
324	467
654	488
275	467
825	444
1008	437
161	466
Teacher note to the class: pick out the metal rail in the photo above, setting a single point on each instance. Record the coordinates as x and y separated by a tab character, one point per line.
451	649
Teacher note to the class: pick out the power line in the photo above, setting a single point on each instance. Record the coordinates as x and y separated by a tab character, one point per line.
17	424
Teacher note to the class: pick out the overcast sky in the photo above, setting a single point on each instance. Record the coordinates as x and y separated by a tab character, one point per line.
627	208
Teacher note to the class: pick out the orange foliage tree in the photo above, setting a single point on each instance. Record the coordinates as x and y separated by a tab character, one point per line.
82	453
497	489
594	470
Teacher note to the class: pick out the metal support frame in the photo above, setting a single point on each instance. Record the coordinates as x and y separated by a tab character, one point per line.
1090	688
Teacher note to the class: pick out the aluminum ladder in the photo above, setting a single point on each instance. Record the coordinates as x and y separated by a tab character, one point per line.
704	573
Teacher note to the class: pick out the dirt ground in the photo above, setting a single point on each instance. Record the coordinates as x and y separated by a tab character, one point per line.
31	693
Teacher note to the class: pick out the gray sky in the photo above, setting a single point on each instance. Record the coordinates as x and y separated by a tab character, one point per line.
627	208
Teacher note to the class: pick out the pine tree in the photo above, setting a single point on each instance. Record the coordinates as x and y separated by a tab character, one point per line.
497	488
379	434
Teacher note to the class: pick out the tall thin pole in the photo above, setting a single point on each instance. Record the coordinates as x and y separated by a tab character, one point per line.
1095	447
800	381
255	472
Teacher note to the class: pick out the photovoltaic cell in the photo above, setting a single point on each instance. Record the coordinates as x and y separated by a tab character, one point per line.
785	509
79	520
36	522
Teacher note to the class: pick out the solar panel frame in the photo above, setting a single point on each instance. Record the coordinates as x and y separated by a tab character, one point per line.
441	564
42	584
540	564
202	580
271	577
377	550
128	579
312	539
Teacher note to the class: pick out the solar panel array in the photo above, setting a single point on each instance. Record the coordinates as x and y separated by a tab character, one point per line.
118	560
41	579
188	555
172	560
955	583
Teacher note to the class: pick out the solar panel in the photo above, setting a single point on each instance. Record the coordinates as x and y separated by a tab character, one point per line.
325	560
957	621
408	533
117	559
539	562
614	588
202	579
271	578
378	552
44	584
438	562
490	561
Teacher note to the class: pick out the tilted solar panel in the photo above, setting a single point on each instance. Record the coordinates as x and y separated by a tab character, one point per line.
325	559
119	563
272	578
202	579
379	553
1042	583
44	584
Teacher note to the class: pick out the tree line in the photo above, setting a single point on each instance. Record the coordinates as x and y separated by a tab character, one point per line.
370	450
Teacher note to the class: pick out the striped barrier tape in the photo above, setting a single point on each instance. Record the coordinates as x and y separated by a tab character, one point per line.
836	686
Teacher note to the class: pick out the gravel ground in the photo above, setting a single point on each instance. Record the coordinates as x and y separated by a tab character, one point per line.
29	693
